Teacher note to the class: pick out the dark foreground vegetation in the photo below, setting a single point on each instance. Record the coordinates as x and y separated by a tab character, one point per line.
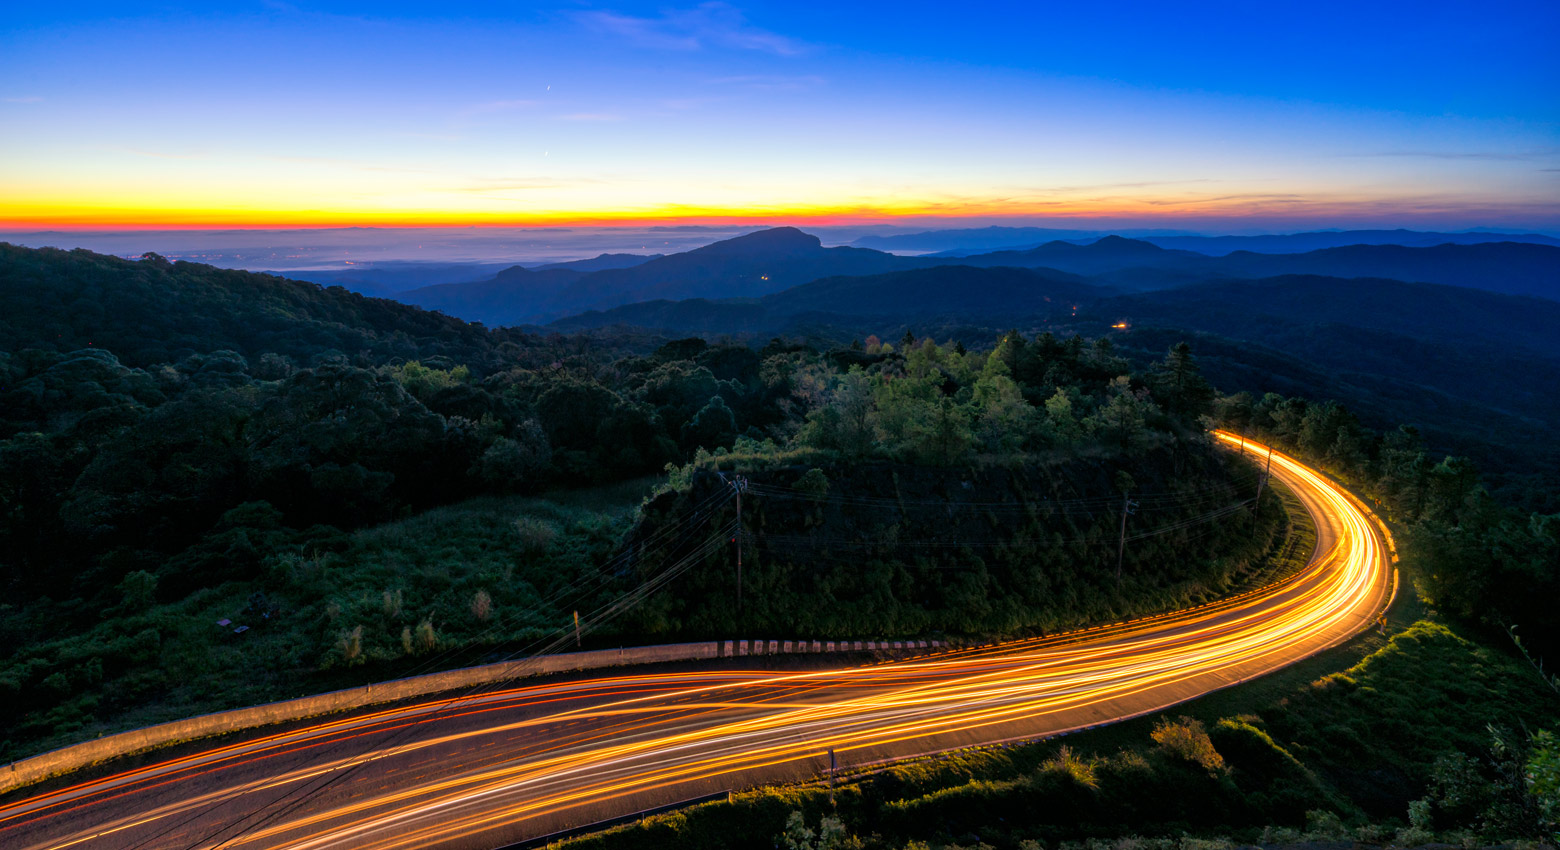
219	488
1487	563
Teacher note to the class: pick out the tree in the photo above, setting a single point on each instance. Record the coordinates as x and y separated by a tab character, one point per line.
1007	356
713	426
1404	472
1062	427
1179	383
1121	420
949	439
1004	420
140	592
847	421
517	463
906	411
1235	412
814	483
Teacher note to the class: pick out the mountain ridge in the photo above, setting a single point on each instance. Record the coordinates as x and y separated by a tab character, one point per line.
769	261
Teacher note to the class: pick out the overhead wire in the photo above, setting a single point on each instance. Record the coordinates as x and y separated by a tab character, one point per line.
601	615
666	536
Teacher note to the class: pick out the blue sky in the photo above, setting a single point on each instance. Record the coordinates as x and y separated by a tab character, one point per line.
1227	115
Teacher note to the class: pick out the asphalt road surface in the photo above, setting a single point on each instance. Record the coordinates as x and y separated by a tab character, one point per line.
484	770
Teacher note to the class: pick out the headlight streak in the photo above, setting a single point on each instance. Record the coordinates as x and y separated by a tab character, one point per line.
659	737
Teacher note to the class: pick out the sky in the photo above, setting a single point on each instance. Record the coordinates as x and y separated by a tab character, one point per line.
1214	117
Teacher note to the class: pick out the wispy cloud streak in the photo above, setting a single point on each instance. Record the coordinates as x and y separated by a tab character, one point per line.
705	25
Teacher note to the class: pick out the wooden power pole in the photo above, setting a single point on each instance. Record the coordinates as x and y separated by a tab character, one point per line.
1127	507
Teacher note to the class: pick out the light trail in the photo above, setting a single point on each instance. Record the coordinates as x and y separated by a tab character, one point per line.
530	760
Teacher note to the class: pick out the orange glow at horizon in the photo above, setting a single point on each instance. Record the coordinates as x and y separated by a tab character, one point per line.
176	216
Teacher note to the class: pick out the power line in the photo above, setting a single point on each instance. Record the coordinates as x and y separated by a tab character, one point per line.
664	537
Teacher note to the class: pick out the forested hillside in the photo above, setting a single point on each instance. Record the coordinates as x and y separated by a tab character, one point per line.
942	294
969	493
371	489
153	311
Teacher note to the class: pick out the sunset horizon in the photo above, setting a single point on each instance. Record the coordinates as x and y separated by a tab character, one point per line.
276	116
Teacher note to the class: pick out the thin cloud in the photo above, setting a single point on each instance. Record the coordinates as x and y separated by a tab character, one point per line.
1146	184
1254	198
589	116
484	185
161	154
436	137
771	82
1493	156
680	104
499	106
338	162
706	25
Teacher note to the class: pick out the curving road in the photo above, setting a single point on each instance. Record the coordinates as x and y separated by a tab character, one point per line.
507	765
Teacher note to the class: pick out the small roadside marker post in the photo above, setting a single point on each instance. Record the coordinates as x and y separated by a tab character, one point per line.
834	765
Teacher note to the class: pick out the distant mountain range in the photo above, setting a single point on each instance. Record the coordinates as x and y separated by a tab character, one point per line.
1294	243
771	262
977	240
1513	268
1250	308
963	243
749	266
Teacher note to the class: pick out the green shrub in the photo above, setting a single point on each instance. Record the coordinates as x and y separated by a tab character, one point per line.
814	483
1185	738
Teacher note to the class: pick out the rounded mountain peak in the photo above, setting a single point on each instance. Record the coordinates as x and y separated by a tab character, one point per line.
775	240
1122	243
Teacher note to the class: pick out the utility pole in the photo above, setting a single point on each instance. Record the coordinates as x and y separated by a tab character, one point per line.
576	630
737	484
1127	507
739	550
1262	479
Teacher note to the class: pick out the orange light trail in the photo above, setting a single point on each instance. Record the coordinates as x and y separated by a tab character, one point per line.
529	760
